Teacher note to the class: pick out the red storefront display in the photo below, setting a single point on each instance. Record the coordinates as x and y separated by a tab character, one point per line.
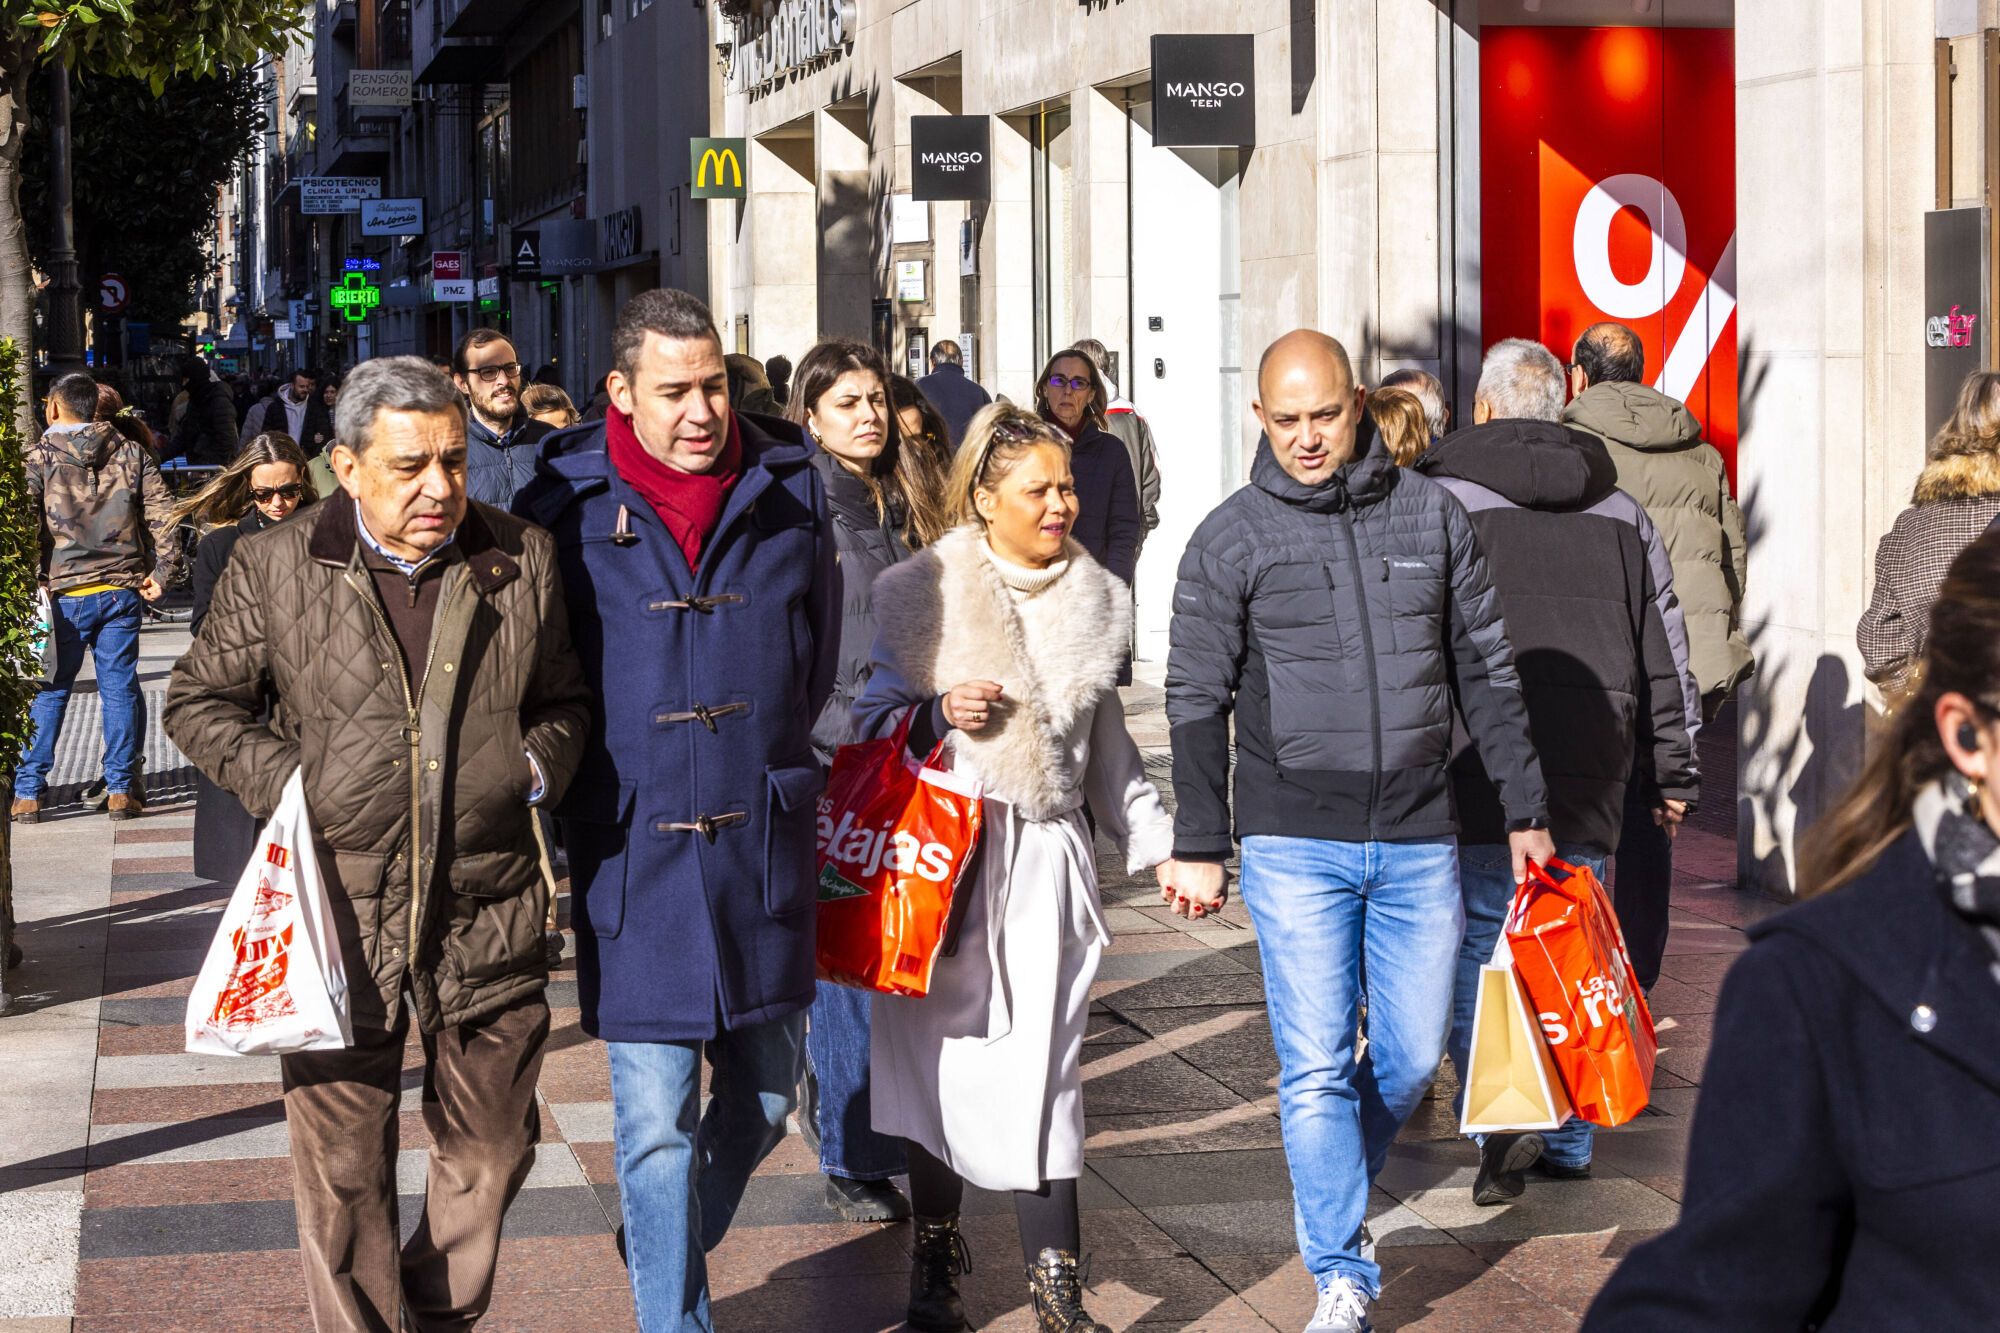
1608	191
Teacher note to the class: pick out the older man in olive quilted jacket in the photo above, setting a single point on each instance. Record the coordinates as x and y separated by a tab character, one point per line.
420	656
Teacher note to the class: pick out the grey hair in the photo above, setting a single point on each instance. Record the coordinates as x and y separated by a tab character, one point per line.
1426	389
390	384
1521	379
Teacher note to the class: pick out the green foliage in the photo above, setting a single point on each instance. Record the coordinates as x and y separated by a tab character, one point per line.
144	175
157	40
20	559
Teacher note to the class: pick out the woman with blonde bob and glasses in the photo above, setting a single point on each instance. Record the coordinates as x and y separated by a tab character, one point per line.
1005	638
265	485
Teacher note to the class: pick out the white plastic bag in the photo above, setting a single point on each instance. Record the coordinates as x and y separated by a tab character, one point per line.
272	982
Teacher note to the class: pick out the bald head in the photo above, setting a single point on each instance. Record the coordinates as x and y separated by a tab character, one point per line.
1308	404
1610	353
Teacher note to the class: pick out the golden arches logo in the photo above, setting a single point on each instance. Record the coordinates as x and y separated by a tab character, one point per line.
727	165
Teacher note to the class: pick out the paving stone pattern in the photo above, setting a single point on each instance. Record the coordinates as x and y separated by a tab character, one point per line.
145	1189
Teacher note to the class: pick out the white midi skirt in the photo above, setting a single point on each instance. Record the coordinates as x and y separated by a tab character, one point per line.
985	1071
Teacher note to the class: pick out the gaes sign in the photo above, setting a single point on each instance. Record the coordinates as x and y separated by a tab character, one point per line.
717	167
355	297
951	157
392	217
1204	90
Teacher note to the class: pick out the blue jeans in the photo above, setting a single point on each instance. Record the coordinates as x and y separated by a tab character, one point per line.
1328	915
679	1181
837	1045
1487	873
106	623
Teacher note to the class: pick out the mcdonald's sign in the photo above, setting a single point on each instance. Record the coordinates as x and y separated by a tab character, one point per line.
717	167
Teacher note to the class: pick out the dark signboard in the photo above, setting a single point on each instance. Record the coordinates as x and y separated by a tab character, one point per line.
527	255
716	167
1205	91
1955	314
951	157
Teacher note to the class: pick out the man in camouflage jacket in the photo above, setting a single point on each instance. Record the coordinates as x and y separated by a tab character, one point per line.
105	515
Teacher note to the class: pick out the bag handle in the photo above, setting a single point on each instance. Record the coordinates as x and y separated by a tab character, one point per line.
900	754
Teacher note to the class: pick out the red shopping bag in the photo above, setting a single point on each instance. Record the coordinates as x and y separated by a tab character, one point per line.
895	840
1570	956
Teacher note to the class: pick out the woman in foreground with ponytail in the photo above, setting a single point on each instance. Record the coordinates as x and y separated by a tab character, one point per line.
1844	1160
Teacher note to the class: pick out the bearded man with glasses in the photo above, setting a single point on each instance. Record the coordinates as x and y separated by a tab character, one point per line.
502	440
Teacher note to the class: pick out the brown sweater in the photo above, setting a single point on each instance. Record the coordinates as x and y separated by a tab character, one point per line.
411	602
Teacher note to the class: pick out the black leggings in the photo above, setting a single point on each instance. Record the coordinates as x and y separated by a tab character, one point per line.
1047	1216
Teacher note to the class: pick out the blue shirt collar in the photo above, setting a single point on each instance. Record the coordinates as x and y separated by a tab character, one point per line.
408	567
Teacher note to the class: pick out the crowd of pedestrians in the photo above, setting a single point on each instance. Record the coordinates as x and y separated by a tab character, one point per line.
1405	662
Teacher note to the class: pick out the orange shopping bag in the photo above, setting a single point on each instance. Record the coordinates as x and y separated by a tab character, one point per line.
895	840
1570	956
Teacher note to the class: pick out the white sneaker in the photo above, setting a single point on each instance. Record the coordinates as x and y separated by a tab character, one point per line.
1343	1307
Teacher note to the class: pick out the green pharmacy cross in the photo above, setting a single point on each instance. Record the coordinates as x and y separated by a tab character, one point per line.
354	297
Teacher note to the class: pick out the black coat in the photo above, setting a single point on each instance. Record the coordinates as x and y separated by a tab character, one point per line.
315	430
225	834
1844	1164
1108	523
497	466
864	546
1586	620
956	396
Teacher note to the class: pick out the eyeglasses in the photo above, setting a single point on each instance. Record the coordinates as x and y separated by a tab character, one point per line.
263	495
1077	382
493	374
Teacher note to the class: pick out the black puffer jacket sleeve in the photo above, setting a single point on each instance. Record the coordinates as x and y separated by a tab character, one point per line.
1208	638
1488	686
1665	749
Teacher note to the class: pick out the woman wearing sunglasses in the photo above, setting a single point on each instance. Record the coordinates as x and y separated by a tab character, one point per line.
265	485
1070	393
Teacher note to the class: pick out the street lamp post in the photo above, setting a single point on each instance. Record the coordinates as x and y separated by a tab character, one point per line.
64	331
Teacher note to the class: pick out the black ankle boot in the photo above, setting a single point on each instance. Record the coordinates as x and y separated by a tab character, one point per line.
936	1260
1057	1288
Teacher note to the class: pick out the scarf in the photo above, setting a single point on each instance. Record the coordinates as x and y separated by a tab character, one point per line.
689	503
1966	855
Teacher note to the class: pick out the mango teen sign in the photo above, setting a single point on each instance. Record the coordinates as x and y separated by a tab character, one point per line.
784	35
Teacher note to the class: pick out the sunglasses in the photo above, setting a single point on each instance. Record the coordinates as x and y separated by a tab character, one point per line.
263	495
1077	382
494	374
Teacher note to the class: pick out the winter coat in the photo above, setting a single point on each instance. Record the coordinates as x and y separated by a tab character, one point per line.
865	546
225	834
1108	524
1956	498
390	754
956	396
106	514
984	1070
1336	622
1567	553
1137	437
206	432
1656	444
1843	1165
691	827
315	432
496	466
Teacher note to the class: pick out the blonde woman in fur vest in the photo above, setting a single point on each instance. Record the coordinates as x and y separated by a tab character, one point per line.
1957	495
1006	639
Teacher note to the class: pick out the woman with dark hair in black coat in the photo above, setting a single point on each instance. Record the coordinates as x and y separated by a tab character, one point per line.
266	484
1844	1163
1071	394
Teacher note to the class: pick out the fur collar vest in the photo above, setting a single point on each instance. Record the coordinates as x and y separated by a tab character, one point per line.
945	617
1958	477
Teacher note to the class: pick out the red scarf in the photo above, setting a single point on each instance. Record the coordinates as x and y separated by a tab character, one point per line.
689	503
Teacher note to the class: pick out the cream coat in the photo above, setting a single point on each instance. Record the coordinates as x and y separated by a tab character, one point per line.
985	1072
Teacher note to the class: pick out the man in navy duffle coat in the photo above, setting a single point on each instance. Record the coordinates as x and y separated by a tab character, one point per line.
690	824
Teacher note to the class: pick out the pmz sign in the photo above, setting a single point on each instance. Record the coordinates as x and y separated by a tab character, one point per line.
1955	287
951	157
1204	91
716	168
781	36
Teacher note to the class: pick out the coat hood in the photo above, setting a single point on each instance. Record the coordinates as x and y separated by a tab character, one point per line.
1636	416
1361	481
1534	464
1958	477
88	446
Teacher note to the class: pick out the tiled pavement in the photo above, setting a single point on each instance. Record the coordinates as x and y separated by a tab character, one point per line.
145	1189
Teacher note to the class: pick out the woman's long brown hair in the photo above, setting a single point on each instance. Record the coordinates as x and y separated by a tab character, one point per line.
1963	656
227	496
910	474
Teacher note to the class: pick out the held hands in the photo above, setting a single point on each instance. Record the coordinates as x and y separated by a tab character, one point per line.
1670	816
1531	845
968	706
1194	889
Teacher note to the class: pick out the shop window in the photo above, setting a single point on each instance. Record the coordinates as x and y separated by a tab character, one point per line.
1050	144
634	8
603	20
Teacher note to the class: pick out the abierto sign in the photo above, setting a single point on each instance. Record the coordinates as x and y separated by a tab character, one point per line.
715	167
392	217
951	157
1205	91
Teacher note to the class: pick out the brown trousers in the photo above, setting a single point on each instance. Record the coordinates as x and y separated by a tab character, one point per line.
479	1105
